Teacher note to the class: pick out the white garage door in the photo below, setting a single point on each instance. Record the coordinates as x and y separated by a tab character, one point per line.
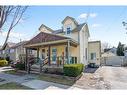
113	60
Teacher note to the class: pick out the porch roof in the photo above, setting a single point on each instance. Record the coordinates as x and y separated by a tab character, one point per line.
44	39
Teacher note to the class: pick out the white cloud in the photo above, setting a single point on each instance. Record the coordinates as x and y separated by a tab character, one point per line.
92	15
85	15
12	34
96	25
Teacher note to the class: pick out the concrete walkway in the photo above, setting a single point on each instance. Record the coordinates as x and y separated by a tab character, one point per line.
30	81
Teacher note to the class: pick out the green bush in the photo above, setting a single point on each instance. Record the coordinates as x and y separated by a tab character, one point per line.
20	66
73	70
3	62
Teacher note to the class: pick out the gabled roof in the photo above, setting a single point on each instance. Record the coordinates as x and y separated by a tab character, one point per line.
58	31
45	27
77	29
68	17
10	44
43	37
19	44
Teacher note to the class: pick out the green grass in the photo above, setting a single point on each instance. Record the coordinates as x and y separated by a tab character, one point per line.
11	72
14	72
56	79
49	78
13	86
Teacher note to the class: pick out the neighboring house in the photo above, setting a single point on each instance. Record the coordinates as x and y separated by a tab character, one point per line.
125	53
112	50
108	54
5	50
69	44
94	49
13	50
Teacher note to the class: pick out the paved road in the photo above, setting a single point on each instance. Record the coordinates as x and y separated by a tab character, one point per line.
115	76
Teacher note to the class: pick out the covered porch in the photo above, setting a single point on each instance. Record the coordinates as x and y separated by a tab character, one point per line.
53	50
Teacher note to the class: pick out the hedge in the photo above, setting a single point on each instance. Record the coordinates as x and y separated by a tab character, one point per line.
20	66
3	62
73	70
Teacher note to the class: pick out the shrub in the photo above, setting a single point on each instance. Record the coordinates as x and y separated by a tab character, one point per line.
20	66
3	62
73	70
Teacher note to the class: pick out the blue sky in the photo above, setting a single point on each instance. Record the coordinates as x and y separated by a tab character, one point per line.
105	22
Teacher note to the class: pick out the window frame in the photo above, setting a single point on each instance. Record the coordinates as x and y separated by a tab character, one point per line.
69	26
93	56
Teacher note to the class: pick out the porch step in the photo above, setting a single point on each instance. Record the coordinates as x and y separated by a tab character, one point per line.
35	66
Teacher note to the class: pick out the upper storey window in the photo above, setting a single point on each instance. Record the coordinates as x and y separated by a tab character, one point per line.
68	29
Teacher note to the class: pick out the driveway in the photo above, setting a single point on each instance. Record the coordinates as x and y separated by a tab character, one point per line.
115	76
106	77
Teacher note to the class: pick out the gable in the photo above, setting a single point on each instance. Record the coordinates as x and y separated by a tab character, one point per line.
71	18
86	30
43	37
69	22
44	28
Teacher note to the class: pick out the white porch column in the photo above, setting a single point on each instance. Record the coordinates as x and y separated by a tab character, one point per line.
68	50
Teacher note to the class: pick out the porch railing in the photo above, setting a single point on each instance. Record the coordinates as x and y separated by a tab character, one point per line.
60	60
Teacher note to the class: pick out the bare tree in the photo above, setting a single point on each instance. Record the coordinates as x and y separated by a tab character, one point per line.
11	14
105	45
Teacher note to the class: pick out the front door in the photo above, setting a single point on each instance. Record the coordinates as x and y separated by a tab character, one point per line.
54	55
43	54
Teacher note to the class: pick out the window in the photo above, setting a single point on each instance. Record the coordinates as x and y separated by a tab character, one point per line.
12	50
86	53
93	56
0	52
30	51
68	30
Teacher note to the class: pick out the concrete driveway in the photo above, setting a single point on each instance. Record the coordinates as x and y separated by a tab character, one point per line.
116	77
106	77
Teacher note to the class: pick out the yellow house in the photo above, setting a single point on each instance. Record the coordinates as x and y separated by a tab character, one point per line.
94	48
66	45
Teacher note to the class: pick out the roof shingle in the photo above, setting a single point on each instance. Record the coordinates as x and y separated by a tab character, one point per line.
45	37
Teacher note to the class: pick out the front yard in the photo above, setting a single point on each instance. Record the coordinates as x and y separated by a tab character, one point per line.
13	86
56	79
105	77
46	77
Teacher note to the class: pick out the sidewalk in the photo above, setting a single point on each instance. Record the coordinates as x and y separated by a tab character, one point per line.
32	82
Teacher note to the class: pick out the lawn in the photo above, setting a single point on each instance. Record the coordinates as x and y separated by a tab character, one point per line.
48	77
14	86
14	72
56	79
10	72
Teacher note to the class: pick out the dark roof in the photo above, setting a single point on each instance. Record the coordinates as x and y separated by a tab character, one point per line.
45	37
10	44
19	44
58	31
71	19
78	28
